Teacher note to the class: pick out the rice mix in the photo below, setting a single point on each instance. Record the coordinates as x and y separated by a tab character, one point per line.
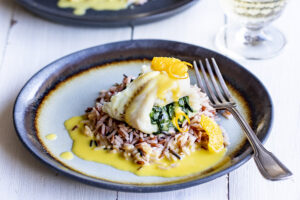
142	148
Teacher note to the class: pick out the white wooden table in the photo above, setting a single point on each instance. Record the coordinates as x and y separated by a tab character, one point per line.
27	43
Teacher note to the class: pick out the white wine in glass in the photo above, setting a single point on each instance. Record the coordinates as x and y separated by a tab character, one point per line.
252	38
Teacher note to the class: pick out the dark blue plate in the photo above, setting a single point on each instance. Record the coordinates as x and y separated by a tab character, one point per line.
38	87
148	12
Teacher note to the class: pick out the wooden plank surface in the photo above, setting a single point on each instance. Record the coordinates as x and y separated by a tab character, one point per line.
216	189
246	182
6	13
191	27
280	76
32	44
198	25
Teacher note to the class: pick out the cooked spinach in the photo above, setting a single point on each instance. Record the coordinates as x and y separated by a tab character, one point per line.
155	114
162	116
187	103
171	110
181	102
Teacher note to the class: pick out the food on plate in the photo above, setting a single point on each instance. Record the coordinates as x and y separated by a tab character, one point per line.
151	123
80	6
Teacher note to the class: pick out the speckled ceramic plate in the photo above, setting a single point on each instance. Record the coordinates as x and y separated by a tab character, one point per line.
67	86
151	11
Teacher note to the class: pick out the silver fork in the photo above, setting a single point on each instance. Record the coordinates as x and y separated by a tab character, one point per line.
269	166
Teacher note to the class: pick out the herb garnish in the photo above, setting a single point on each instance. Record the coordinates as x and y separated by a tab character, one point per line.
162	116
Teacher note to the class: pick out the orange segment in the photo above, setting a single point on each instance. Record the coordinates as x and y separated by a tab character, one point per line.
159	64
178	70
174	67
214	132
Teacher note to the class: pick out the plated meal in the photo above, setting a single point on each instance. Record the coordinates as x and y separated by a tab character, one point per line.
148	125
119	117
80	6
108	13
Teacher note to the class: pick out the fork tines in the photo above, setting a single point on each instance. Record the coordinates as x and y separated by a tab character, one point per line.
216	89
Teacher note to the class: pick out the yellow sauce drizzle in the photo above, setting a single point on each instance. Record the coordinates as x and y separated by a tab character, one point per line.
165	84
171	70
51	136
198	161
67	155
80	6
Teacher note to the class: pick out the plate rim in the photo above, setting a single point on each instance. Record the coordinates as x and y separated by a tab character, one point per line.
132	187
63	17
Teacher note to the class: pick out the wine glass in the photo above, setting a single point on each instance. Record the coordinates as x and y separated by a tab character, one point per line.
251	37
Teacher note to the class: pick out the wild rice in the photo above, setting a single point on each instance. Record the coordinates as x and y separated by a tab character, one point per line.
117	136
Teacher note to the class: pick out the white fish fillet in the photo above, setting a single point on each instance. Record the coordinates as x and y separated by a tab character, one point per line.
134	104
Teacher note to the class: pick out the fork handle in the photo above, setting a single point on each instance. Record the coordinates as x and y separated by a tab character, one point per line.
269	166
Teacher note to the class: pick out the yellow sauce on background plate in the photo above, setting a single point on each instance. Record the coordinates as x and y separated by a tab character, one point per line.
198	161
81	6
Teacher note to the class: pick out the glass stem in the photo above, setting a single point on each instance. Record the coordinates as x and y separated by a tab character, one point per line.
253	36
